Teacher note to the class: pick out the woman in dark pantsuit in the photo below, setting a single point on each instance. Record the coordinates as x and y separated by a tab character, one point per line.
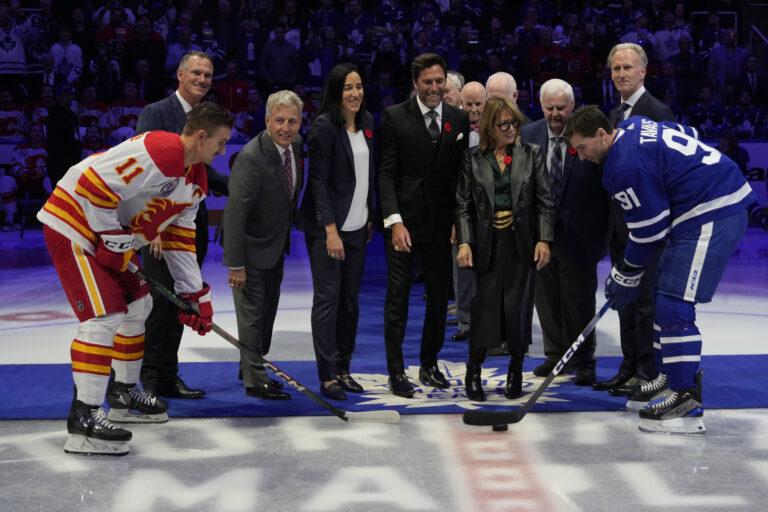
337	222
504	224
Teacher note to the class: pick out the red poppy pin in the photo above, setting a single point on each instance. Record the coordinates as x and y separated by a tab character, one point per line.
572	151
507	159
447	127
368	134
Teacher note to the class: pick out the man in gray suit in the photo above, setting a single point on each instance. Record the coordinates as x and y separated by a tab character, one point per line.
159	371
266	181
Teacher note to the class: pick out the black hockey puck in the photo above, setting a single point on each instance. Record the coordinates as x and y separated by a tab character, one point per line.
500	428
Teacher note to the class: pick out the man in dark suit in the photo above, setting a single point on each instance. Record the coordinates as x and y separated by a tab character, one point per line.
160	368
422	141
753	81
266	181
63	129
565	289
628	62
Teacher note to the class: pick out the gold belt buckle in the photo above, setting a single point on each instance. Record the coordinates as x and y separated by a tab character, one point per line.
503	219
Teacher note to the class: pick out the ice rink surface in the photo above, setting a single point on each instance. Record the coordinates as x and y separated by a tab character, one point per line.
588	461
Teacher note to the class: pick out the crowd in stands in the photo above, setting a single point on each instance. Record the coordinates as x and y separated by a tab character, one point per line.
118	56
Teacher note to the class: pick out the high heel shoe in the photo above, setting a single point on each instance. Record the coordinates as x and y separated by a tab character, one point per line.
473	383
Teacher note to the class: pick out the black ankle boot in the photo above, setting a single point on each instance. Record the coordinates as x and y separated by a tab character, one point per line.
514	386
473	383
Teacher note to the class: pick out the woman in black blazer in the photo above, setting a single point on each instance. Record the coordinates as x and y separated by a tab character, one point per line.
504	223
337	222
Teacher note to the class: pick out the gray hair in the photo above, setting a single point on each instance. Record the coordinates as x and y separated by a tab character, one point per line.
629	46
554	86
284	98
505	80
185	58
453	77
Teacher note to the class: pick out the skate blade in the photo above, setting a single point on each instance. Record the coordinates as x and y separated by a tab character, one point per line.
683	426
635	406
82	445
128	416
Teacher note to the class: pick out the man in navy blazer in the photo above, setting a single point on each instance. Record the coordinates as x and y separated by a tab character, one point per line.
422	142
565	289
628	62
160	368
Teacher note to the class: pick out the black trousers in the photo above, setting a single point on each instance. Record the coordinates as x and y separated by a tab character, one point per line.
437	266
163	330
499	298
335	308
565	302
255	309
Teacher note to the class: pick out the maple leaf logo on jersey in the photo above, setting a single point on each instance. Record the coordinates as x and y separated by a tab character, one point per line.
158	211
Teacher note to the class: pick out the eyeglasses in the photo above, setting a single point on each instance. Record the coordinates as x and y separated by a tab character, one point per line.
506	125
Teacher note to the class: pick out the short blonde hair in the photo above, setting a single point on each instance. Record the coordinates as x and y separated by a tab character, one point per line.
492	111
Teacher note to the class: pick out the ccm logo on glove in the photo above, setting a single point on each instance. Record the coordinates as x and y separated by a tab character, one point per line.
115	249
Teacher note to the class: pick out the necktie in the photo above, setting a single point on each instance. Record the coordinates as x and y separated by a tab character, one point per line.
474	126
434	130
753	81
556	168
288	171
620	114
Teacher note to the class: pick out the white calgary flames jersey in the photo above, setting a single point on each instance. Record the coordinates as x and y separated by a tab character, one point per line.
142	186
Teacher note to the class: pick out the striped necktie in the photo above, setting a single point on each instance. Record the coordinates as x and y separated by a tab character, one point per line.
556	168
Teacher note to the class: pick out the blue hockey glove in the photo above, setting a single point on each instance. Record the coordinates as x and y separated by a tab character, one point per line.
623	286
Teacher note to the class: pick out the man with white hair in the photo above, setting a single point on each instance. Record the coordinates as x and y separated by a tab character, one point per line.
464	285
503	85
452	91
565	289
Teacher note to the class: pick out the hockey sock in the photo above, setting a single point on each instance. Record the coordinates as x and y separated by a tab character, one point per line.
680	341
129	342
91	355
657	347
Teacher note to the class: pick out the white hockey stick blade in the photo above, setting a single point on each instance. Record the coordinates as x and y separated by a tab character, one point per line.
373	416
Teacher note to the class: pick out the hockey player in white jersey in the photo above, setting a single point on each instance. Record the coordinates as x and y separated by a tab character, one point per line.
681	194
101	212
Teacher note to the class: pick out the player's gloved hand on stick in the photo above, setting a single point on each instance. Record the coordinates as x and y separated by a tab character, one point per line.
115	249
202	319
623	285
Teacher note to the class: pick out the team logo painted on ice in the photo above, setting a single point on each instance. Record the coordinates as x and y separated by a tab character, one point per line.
377	390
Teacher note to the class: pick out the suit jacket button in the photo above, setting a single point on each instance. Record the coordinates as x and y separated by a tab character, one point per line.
521	204
524	187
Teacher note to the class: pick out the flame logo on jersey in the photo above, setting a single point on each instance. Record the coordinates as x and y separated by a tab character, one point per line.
158	211
198	192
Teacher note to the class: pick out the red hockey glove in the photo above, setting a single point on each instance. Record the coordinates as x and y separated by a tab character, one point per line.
202	319
115	249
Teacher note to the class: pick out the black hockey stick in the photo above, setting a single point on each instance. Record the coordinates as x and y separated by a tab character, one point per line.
369	416
514	416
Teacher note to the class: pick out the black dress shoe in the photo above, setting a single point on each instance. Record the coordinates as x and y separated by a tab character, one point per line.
276	384
177	389
585	375
347	383
432	377
474	384
514	385
400	385
267	392
461	335
614	382
544	368
502	351
627	388
333	391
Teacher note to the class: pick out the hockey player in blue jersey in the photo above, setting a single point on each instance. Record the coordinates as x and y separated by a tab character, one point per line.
681	194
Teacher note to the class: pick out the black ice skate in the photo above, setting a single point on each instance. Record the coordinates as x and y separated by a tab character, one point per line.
649	391
130	403
91	433
680	413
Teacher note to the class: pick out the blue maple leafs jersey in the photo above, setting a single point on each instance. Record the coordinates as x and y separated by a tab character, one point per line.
666	180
